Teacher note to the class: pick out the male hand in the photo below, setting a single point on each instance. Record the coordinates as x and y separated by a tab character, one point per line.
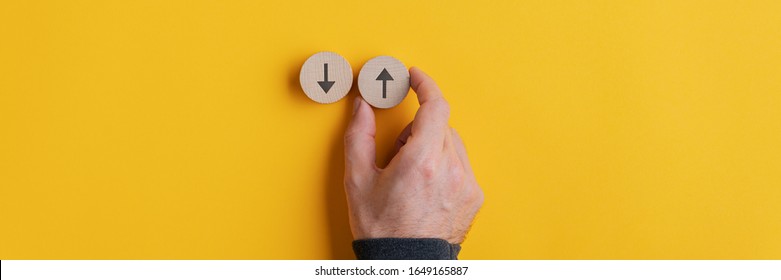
427	190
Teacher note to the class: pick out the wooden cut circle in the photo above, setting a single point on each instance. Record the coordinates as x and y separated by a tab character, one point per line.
383	81
326	77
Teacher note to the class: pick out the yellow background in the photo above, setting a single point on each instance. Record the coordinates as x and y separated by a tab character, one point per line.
597	129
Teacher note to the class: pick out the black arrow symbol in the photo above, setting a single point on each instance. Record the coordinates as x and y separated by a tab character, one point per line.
384	77
325	84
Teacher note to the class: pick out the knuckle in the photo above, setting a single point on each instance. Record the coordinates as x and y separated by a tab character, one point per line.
427	166
442	107
428	171
457	175
352	138
349	137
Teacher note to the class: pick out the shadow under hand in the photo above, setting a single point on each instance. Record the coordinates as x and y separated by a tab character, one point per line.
336	201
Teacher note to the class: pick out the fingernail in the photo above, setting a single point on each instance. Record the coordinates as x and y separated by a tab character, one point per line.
356	104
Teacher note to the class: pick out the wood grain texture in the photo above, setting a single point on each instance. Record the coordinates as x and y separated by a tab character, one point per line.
395	81
326	88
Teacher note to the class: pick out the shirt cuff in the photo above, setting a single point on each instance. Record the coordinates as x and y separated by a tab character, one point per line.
405	249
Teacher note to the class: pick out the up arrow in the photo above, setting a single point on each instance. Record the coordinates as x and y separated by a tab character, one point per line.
384	77
325	84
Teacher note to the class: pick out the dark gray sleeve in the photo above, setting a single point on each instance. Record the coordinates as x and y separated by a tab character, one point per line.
405	249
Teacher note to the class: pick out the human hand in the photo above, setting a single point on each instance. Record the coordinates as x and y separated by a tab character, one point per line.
428	189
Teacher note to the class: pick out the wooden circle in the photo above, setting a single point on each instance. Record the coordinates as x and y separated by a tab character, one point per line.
383	81
326	77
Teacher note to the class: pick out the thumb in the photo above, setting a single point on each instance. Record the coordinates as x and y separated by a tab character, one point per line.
359	147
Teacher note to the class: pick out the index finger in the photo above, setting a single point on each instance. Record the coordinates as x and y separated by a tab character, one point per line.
431	121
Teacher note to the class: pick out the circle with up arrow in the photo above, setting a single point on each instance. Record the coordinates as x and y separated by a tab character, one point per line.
326	77
383	81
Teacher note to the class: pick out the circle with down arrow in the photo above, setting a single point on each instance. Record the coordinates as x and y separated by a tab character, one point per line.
383	81
326	77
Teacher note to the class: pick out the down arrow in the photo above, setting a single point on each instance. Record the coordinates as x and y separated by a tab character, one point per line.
325	84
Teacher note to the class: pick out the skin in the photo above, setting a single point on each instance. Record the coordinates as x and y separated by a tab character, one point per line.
428	189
